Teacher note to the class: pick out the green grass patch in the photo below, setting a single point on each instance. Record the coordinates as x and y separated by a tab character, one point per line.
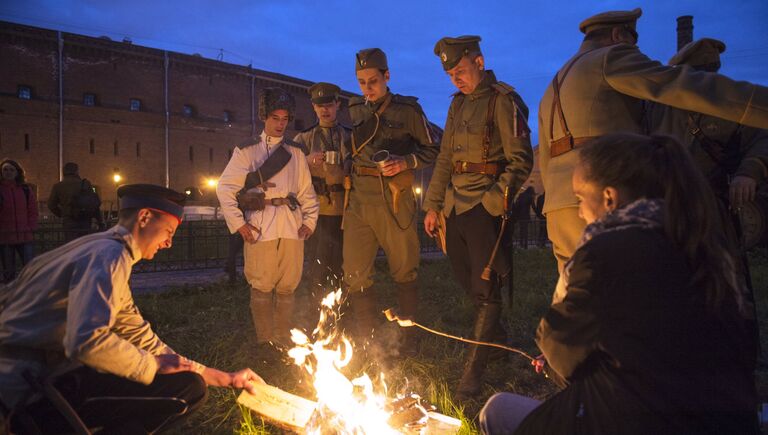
212	324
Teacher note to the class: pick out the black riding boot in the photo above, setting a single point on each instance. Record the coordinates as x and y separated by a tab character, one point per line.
364	306
486	324
408	303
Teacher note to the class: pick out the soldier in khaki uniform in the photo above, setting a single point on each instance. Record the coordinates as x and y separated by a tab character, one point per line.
382	209
601	90
485	151
327	138
733	157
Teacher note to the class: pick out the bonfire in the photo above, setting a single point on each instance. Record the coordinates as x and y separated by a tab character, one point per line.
361	405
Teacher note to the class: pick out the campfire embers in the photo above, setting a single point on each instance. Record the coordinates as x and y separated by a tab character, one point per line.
344	406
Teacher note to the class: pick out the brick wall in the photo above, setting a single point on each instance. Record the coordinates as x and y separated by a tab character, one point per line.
108	136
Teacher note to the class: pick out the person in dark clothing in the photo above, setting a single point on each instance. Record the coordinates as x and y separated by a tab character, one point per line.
538	209
234	250
522	213
64	202
653	334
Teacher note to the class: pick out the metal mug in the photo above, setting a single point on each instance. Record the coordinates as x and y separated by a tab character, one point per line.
332	158
381	157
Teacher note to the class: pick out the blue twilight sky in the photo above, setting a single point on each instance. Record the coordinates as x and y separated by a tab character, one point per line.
524	42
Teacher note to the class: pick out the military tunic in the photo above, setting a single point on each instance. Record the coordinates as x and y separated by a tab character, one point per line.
744	150
472	201
369	221
603	93
324	248
75	300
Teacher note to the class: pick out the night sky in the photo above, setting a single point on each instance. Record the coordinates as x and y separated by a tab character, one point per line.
524	42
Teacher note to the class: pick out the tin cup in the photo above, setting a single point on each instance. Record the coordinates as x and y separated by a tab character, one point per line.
381	157
332	158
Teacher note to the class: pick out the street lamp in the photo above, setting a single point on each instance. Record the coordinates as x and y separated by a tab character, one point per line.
211	182
117	178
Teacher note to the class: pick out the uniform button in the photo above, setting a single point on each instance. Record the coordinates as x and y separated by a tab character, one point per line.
458	147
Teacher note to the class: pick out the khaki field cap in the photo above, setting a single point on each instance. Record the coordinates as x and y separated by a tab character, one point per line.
371	58
272	99
321	92
700	52
451	50
611	19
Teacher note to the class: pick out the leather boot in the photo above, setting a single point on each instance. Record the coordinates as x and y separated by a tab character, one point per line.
364	306
407	308
284	319
486	322
262	314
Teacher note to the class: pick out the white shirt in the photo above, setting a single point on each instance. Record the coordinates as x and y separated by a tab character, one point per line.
274	222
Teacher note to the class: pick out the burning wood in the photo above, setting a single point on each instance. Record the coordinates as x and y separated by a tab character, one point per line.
409	415
344	406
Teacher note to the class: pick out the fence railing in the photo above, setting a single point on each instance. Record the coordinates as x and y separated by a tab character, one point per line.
201	244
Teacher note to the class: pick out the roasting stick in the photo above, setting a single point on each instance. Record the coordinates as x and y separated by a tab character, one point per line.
405	323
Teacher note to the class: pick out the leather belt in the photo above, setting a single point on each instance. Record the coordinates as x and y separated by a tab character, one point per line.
567	143
366	171
490	168
281	201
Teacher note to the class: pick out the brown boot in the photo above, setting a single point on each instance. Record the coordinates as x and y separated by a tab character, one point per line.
261	313
407	308
486	322
364	306
284	319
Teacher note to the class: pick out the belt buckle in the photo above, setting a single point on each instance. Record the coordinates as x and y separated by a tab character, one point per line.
464	167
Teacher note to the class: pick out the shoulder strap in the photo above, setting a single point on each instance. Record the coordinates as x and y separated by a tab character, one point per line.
556	104
274	164
489	124
371	124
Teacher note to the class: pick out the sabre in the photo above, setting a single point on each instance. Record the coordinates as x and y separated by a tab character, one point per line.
407	323
486	275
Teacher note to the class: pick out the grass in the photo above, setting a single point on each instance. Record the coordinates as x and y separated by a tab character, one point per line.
212	325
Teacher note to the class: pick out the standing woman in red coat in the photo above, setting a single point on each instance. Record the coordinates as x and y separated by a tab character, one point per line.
18	218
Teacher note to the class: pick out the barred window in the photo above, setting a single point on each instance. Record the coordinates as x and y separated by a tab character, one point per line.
135	105
89	99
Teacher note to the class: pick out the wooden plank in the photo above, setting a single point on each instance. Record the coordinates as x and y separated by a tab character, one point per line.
282	408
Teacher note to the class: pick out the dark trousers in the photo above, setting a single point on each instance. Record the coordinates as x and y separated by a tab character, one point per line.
470	238
8	254
523	224
324	250
119	405
75	228
234	250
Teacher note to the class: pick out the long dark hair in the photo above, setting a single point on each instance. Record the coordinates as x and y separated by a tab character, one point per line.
659	167
19	170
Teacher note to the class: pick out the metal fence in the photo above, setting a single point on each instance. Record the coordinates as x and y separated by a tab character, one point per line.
201	244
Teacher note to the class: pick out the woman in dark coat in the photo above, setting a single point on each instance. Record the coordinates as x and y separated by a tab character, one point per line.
653	335
18	218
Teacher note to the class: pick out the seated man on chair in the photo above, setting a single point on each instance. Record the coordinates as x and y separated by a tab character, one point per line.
72	308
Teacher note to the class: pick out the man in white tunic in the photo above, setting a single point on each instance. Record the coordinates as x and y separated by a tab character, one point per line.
72	308
266	195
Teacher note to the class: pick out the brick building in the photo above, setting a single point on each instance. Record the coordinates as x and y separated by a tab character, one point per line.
151	115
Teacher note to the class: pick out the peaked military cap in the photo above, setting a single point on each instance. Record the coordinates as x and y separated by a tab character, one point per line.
272	99
451	50
371	58
152	196
321	92
611	19
700	52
